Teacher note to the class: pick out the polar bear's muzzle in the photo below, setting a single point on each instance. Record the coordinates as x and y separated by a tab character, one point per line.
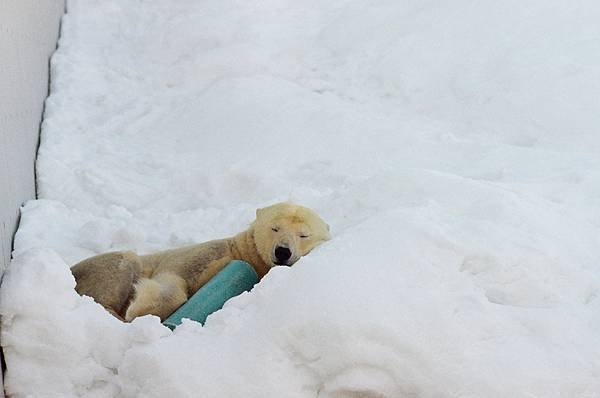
282	255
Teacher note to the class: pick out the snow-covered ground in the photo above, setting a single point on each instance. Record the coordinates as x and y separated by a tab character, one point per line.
453	147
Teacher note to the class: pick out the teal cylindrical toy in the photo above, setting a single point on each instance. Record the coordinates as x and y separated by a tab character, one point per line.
237	277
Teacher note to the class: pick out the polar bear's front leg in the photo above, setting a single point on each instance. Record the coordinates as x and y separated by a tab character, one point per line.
160	295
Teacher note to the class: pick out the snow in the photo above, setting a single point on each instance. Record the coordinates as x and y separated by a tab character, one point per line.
453	147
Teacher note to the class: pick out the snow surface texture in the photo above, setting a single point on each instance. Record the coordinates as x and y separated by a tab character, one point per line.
452	146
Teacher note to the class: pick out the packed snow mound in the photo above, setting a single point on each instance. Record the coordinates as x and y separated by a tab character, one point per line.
453	149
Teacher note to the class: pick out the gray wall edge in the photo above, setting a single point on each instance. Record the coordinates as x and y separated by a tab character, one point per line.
29	32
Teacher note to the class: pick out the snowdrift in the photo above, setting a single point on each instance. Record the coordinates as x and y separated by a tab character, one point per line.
453	149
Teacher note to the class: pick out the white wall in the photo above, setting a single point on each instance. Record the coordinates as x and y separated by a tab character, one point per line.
28	35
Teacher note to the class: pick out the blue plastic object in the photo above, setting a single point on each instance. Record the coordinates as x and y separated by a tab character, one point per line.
237	277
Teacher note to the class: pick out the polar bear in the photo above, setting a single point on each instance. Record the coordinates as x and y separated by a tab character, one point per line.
129	285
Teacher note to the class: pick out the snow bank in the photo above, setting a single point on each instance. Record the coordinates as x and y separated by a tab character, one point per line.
453	148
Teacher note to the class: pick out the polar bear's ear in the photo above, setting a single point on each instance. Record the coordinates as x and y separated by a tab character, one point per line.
259	212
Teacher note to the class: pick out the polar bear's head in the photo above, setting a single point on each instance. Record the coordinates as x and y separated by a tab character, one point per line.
284	232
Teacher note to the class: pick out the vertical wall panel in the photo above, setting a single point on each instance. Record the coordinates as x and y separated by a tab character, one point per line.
28	35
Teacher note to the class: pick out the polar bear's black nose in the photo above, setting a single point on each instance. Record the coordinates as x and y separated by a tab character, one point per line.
282	254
